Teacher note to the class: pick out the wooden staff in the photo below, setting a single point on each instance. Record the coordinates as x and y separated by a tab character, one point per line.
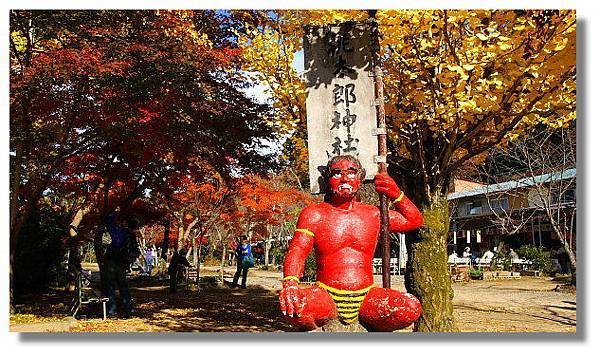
384	234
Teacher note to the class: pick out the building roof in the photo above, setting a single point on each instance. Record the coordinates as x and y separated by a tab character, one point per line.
463	184
515	184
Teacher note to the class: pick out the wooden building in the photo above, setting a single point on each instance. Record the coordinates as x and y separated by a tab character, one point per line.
515	212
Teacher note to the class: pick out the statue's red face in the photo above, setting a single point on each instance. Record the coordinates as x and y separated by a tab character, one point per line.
344	180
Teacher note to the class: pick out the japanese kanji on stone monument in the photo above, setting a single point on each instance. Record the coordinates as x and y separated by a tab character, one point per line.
340	101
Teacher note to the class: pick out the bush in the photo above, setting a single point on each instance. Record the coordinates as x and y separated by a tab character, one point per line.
310	268
502	261
476	273
39	254
278	255
539	257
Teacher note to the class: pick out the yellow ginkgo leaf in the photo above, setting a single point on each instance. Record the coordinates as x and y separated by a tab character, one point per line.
562	44
504	46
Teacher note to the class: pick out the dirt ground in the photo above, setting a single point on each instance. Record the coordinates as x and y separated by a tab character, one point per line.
529	304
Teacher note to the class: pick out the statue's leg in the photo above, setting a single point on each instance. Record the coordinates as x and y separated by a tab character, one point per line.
388	310
318	309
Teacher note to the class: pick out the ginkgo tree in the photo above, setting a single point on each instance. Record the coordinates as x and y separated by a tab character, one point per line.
457	83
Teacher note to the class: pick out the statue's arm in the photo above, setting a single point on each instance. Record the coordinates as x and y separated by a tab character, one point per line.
290	299
300	246
405	216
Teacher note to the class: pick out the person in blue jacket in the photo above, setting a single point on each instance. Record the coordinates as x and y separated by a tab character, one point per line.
121	252
244	260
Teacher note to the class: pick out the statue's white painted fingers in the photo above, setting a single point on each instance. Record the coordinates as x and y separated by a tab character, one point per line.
290	302
282	303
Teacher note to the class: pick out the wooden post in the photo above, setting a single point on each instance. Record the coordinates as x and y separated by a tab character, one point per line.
384	234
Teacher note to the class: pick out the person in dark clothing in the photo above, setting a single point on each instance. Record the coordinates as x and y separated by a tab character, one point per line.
119	254
244	260
176	269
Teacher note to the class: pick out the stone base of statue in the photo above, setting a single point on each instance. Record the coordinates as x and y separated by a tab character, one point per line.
336	326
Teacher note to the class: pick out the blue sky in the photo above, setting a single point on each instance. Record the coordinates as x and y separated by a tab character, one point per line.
257	91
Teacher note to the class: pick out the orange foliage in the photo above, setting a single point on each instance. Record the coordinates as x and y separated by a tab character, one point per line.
263	202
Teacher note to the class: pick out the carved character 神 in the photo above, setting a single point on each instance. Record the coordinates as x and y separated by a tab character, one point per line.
344	232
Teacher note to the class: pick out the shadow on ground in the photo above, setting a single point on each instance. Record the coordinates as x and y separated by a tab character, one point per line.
213	308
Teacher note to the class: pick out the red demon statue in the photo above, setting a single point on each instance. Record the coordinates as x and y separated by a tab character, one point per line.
344	234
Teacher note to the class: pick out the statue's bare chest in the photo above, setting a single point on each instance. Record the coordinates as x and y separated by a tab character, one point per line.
357	230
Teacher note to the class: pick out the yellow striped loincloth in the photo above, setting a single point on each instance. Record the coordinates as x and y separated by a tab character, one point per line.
347	302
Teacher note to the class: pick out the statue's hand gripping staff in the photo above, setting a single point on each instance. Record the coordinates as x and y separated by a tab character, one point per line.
406	216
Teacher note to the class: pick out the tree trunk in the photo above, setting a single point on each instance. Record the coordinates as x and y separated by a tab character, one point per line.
572	262
73	264
211	248
13	207
267	244
11	279
15	183
14	234
195	253
427	275
223	256
99	251
565	242
188	230
267	250
222	267
180	233
165	244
